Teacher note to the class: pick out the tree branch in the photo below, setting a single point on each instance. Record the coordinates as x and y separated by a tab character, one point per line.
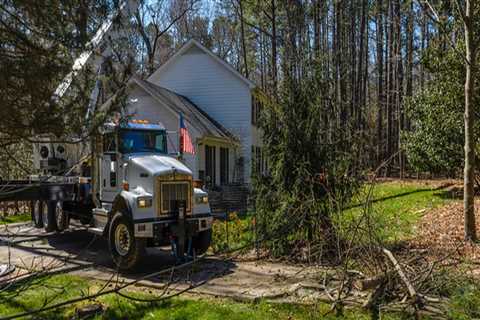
436	19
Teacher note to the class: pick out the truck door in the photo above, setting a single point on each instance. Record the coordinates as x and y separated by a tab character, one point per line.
109	170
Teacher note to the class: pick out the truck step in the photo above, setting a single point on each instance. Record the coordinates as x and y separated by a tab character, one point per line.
97	231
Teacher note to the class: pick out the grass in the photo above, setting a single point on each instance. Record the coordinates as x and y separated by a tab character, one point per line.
23	217
397	206
59	288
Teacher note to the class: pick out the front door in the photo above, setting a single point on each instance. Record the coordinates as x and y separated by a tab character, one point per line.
224	166
210	165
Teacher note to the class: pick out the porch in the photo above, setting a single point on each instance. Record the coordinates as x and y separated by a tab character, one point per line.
218	162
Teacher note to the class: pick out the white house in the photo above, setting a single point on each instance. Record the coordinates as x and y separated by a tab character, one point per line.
217	104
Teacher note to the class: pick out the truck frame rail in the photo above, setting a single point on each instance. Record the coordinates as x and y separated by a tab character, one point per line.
28	190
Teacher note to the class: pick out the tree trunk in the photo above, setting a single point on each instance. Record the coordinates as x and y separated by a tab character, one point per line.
468	192
316	27
359	82
380	93
242	30
410	31
389	85
274	47
399	87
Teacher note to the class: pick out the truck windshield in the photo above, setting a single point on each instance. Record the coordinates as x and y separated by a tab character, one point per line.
133	141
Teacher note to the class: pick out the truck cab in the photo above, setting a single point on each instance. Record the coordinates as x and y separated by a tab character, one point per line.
145	196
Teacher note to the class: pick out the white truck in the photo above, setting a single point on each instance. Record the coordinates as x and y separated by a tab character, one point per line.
122	183
127	188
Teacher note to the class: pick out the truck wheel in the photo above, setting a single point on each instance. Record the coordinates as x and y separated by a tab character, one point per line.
48	216
61	217
126	250
201	242
37	208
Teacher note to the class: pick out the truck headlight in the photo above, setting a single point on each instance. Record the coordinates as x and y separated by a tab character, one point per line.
144	202
203	199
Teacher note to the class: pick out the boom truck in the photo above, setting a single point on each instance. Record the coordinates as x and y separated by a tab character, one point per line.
122	184
128	189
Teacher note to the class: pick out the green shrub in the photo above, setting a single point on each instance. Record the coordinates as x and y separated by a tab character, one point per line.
232	233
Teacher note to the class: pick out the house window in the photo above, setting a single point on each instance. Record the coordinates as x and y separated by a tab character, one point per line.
252	161
256	110
224	165
264	163
210	161
259	161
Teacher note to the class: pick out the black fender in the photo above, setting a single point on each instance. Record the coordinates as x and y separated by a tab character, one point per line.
120	204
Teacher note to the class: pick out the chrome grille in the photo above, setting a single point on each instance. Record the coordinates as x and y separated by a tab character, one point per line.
172	191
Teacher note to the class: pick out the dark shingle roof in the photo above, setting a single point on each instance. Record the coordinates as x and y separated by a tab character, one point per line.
191	112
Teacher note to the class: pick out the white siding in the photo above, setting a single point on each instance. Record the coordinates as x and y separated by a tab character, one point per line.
143	106
217	91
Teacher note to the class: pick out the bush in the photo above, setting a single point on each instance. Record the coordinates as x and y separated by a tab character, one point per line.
435	143
232	233
313	165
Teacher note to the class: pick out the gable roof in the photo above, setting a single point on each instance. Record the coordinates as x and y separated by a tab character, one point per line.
195	44
191	112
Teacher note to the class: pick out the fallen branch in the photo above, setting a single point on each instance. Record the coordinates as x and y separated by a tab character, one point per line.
398	268
369	283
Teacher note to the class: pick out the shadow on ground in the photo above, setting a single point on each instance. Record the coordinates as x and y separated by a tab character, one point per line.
83	249
438	192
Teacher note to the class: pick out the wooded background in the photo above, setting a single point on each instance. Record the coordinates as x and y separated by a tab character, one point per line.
370	56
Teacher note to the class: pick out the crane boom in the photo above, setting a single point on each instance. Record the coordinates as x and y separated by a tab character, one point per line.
85	56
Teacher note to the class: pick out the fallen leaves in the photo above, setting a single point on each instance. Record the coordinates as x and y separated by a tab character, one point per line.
441	231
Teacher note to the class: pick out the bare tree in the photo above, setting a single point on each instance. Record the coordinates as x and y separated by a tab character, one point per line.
471	44
150	23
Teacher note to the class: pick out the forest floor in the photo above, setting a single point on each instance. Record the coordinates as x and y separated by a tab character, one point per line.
440	232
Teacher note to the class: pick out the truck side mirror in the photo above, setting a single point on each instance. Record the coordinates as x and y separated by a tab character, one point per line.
113	170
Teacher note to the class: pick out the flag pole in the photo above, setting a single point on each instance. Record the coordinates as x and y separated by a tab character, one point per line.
180	140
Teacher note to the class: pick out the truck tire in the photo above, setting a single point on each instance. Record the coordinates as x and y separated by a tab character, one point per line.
201	242
126	250
37	207
61	217
48	216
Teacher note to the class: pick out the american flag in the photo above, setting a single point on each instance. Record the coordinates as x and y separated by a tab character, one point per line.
186	145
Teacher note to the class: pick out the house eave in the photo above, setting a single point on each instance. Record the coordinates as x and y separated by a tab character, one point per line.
219	140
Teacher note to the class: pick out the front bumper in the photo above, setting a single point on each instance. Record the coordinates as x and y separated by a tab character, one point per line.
161	229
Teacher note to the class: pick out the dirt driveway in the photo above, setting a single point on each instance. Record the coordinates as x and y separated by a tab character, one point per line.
82	253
